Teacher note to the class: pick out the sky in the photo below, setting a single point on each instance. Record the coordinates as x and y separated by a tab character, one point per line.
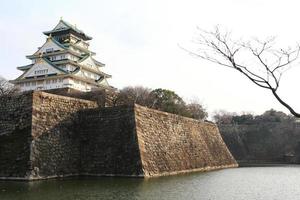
139	41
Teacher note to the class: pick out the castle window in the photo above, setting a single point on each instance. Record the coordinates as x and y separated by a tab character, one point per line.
54	81
49	50
62	57
39	72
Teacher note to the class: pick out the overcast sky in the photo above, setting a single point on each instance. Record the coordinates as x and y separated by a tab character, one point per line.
138	41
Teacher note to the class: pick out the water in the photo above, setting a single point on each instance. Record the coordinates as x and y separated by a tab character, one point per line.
267	183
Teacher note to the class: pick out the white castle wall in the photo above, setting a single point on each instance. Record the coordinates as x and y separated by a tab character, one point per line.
55	83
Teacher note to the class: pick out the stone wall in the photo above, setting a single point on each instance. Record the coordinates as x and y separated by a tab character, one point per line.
103	97
56	141
171	144
44	135
267	142
109	143
15	135
138	141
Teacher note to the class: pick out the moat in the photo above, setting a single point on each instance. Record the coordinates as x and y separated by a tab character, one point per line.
267	183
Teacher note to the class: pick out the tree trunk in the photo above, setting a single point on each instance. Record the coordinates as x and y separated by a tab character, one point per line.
292	111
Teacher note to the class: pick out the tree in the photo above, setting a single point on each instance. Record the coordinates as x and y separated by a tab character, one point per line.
130	95
243	119
168	101
273	116
160	99
267	66
196	111
7	89
223	117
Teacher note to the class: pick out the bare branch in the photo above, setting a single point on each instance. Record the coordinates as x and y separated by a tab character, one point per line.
6	89
217	47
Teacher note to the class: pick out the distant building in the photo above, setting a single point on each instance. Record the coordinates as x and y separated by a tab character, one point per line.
63	61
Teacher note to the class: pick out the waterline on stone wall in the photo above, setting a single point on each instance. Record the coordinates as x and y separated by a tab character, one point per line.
246	183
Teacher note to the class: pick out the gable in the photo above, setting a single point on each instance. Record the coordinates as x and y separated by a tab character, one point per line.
78	73
40	68
88	62
104	82
49	46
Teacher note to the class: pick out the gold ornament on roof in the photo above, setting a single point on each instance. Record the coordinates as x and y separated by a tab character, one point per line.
39	59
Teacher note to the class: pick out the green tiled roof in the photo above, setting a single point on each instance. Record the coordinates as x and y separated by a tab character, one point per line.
97	62
69	27
25	67
84	58
84	67
58	43
78	47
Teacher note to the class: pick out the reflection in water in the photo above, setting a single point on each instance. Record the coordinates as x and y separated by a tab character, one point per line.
241	183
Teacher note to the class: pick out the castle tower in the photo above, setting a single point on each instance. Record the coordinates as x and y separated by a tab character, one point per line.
63	61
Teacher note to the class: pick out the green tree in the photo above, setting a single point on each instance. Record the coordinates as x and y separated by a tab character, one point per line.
243	119
273	116
160	99
168	101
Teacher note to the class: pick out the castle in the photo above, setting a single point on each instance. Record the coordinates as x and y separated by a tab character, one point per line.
44	135
63	61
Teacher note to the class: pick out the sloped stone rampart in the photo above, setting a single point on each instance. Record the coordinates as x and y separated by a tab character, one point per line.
45	136
171	144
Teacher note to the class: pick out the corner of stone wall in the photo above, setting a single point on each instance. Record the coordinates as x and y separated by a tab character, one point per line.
141	145
110	145
54	150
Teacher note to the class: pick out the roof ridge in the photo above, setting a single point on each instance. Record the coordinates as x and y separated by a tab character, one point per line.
84	58
58	43
71	26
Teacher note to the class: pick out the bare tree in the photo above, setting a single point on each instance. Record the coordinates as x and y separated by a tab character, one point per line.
264	70
6	89
137	94
223	117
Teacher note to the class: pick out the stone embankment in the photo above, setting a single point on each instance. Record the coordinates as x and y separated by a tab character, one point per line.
45	135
